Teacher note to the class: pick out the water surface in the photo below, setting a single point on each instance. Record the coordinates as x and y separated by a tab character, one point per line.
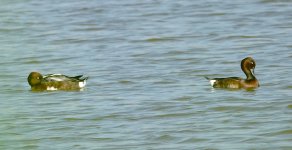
146	61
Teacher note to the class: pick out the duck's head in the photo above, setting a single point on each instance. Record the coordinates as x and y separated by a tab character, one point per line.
248	65
34	78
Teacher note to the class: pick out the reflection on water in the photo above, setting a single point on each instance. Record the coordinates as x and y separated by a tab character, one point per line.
146	62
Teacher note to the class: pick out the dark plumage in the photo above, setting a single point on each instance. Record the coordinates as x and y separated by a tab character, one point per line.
247	65
38	82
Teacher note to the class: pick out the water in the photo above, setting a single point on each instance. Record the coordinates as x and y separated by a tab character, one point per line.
146	61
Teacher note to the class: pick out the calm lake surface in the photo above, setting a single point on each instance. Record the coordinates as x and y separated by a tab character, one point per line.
146	61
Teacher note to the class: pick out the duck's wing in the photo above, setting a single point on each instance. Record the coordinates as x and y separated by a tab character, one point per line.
79	78
60	77
231	78
228	78
55	77
230	82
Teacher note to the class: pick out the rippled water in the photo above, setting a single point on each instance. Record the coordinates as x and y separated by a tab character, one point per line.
146	61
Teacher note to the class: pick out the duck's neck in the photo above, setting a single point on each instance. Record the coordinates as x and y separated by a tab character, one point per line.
249	74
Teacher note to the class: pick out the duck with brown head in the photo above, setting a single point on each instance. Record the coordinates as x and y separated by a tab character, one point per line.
247	65
50	82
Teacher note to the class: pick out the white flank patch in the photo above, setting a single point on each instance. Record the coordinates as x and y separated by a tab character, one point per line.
212	82
82	84
51	88
50	75
56	78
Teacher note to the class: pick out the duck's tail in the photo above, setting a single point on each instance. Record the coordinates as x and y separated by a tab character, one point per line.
82	82
81	78
84	78
212	81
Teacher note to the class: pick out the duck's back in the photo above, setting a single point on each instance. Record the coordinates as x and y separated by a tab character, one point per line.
231	82
63	82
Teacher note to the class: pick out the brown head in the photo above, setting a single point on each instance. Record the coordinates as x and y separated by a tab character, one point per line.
248	65
34	78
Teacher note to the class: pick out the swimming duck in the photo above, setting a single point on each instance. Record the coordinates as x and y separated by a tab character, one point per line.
52	82
247	65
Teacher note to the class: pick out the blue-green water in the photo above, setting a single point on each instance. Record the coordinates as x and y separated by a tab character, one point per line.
146	61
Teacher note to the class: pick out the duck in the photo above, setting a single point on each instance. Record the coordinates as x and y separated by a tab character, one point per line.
53	82
248	65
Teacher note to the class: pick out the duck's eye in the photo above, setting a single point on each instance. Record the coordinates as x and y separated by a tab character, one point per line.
252	64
